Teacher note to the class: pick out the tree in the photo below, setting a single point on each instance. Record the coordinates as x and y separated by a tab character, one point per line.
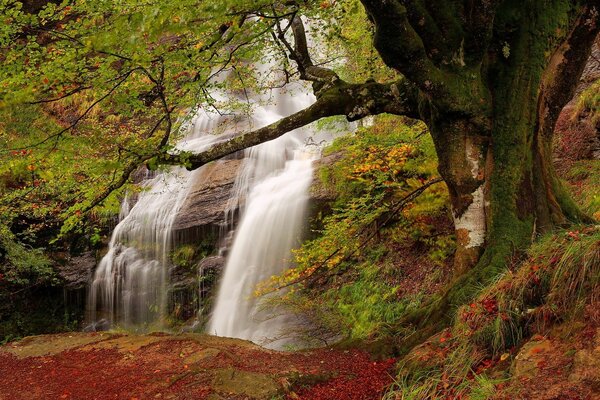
489	79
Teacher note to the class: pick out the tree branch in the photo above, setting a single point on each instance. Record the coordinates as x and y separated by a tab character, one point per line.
322	78
401	47
355	101
559	81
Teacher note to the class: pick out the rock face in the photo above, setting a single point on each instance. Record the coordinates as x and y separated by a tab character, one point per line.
199	226
319	192
591	72
206	203
77	270
577	136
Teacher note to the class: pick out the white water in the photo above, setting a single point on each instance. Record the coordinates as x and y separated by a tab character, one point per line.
270	195
270	227
130	284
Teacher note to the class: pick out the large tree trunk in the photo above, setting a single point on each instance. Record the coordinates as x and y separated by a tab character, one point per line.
492	122
498	167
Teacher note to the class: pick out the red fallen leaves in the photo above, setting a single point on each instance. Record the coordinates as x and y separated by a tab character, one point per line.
158	369
574	235
446	335
361	380
490	305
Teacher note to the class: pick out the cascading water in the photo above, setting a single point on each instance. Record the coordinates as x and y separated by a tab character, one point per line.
270	195
130	285
131	282
271	225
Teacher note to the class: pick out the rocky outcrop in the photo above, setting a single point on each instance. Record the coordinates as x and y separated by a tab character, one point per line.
577	135
591	72
319	191
207	200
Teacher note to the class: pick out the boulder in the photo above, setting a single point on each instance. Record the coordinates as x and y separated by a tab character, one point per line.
319	192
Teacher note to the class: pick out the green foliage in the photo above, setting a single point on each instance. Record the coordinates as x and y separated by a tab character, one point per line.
586	188
368	305
22	265
184	255
345	26
380	166
93	89
589	102
359	290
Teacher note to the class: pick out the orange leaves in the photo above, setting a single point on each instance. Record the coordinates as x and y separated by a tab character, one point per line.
325	4
382	160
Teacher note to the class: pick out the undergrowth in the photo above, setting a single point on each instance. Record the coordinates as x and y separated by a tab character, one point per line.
558	280
589	102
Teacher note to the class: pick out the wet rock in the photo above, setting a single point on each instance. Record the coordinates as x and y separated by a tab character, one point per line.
77	270
586	364
207	200
210	270
529	359
238	382
211	264
319	192
591	71
98	326
321	195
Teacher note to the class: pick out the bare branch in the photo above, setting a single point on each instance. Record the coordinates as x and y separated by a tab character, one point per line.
64	96
322	78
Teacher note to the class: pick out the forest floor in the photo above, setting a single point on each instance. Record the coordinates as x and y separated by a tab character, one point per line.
190	366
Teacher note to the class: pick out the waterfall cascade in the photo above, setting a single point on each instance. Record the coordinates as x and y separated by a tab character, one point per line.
129	286
270	194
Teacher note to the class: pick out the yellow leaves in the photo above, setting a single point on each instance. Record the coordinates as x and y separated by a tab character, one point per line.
382	160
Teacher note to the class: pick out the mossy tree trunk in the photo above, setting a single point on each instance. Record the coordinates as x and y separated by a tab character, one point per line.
492	77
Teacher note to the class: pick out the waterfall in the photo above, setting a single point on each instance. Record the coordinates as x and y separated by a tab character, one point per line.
130	284
270	195
271	225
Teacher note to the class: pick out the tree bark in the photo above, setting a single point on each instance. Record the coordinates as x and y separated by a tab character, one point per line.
493	78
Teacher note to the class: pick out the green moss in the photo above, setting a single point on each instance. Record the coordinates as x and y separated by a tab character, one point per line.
184	255
585	176
589	102
368	305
